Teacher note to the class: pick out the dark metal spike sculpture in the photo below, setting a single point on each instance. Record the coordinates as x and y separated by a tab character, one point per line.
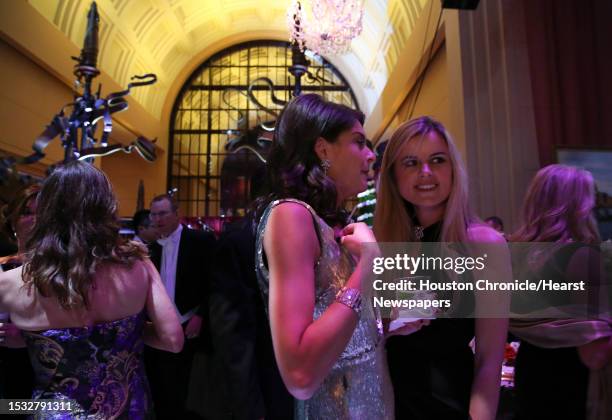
87	110
89	53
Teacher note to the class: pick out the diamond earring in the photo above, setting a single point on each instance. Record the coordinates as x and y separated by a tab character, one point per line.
325	165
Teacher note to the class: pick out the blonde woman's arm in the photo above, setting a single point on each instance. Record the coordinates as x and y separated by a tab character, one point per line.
491	333
490	342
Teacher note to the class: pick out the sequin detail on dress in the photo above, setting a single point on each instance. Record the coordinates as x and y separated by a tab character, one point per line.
98	367
358	385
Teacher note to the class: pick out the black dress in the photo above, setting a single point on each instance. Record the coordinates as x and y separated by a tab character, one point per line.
550	383
553	382
432	369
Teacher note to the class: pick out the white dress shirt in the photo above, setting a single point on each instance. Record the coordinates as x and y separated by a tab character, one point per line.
170	248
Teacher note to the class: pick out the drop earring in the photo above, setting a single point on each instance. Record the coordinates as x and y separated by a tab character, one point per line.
325	165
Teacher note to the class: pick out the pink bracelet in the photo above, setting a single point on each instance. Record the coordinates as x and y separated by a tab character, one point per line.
350	297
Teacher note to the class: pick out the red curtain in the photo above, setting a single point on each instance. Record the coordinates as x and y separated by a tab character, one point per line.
570	55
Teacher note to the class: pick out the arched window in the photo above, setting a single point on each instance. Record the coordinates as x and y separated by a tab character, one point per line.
222	120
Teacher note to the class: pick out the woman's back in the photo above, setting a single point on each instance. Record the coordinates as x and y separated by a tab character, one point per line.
80	298
91	356
117	291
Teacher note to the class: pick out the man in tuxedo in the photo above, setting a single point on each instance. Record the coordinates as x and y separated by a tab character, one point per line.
182	257
248	377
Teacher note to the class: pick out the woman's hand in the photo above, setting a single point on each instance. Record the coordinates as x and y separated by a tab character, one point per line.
10	335
355	235
407	328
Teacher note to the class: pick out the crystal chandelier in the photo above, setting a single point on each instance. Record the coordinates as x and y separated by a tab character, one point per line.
328	27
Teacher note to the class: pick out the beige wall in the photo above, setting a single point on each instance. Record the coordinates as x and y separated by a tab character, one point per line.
125	172
491	93
439	86
36	81
433	100
29	98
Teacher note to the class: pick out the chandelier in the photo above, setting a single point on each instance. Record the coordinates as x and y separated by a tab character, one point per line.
328	27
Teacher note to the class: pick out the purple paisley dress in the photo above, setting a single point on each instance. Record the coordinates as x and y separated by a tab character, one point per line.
99	368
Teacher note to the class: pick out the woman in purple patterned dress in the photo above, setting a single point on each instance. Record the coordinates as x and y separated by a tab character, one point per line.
82	299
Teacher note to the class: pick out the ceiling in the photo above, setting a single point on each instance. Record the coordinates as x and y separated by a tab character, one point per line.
167	37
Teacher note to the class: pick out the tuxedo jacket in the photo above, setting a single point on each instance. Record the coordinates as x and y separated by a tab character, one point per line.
241	334
193	269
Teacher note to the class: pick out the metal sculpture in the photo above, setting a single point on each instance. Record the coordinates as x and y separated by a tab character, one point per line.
77	130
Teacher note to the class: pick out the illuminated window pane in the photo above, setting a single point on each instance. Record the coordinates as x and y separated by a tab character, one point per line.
213	109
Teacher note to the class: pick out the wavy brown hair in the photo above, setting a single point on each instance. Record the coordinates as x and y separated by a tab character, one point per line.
294	169
76	229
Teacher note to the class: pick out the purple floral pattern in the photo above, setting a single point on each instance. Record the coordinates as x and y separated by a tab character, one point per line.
100	368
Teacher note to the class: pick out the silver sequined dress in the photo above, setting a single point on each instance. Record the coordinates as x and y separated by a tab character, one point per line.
358	385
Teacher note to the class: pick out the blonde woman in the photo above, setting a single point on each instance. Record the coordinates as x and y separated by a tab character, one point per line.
553	363
422	196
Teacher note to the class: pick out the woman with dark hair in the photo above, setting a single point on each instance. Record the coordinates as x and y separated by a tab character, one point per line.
326	341
81	300
563	366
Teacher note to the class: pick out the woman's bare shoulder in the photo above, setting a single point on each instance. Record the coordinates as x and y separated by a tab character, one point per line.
291	210
291	223
10	281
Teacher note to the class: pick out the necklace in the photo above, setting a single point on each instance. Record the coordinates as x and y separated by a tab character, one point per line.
418	232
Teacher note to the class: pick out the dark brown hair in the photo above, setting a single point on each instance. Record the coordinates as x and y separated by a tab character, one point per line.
76	229
15	209
294	169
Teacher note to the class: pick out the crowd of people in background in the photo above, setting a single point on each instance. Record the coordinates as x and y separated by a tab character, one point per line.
268	319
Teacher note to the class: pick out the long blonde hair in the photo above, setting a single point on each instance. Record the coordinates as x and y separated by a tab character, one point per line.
393	217
558	207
